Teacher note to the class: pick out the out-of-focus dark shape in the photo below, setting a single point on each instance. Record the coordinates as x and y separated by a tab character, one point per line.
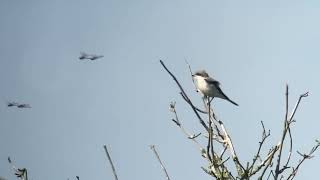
24	106
11	104
21	173
91	57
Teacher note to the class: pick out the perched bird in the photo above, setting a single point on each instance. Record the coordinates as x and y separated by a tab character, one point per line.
208	86
91	57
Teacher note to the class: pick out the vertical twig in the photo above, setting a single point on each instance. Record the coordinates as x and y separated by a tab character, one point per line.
191	74
152	147
265	135
288	120
110	161
235	158
285	128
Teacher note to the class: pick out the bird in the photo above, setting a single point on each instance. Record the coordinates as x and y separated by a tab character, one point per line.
209	87
11	104
24	106
91	57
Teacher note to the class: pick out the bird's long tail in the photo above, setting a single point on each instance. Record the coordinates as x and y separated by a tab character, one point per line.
232	102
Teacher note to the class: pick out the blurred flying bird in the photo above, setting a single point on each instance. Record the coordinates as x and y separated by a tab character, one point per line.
91	57
11	104
209	87
24	106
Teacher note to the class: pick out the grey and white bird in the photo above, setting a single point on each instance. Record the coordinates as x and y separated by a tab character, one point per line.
209	87
91	57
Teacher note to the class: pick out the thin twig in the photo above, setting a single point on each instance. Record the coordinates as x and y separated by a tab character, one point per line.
267	162
270	173
235	158
304	157
285	128
223	151
152	147
290	151
21	173
210	141
191	74
179	124
110	161
263	138
188	101
287	122
185	95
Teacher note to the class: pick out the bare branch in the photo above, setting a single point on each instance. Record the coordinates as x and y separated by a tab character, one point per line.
288	120
191	74
286	166
286	124
235	158
304	157
21	173
110	161
217	133
185	95
188	101
179	124
152	147
266	162
297	105
265	135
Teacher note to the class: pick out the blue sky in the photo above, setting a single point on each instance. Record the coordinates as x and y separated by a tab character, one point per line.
252	47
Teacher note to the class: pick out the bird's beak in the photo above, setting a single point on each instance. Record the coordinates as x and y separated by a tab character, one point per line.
193	75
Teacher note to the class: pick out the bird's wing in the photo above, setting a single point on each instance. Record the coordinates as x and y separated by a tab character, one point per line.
24	106
216	83
94	57
210	80
12	103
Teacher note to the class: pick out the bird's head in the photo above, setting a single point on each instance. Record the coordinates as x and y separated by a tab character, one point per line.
201	73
